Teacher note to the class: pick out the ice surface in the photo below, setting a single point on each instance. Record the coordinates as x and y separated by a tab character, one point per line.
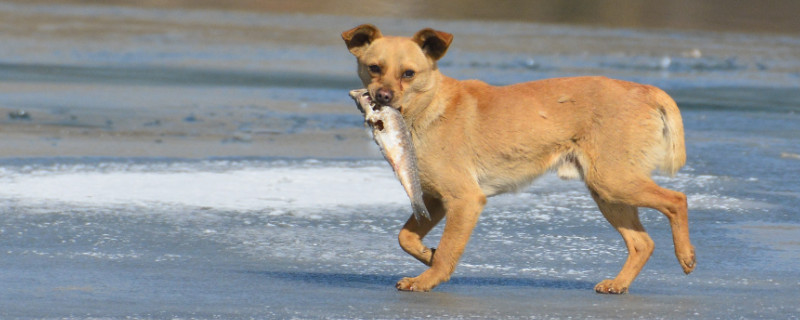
230	235
305	188
208	185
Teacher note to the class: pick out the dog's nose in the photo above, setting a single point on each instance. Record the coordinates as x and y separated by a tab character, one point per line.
384	96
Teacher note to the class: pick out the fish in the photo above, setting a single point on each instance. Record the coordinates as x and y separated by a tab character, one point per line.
392	136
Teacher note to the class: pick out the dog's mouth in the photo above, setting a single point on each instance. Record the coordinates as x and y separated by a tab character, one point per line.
375	106
365	100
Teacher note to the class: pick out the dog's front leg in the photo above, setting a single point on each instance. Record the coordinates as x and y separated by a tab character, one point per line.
461	217
414	230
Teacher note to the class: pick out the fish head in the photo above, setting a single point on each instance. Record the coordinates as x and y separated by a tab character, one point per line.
362	99
399	72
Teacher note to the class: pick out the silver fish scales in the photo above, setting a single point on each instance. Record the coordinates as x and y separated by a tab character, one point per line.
390	133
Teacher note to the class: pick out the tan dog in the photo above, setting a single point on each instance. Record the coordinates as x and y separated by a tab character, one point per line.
474	140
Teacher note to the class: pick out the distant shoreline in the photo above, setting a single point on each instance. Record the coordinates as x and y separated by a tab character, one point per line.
778	16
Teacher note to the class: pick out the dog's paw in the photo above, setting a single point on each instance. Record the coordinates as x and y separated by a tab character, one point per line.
413	284
687	260
610	286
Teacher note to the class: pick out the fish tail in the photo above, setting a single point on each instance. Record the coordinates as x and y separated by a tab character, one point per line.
420	210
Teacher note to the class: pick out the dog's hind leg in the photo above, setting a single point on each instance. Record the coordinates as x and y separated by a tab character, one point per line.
674	206
414	230
625	218
637	191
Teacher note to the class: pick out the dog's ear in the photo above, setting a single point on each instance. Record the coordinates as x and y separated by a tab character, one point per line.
359	37
434	43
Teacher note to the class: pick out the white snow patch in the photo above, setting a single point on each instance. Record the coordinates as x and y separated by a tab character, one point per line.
246	188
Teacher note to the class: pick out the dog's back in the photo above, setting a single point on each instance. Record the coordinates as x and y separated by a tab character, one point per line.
520	131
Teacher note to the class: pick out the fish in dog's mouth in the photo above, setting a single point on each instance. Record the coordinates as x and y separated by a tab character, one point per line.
364	98
376	106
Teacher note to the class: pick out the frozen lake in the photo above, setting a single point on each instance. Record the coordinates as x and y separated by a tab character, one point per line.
159	162
308	239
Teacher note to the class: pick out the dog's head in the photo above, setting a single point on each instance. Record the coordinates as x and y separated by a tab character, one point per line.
397	70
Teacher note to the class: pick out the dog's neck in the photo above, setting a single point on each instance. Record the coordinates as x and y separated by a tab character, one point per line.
429	105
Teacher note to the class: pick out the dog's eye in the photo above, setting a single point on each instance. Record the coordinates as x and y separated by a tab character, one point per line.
409	74
374	68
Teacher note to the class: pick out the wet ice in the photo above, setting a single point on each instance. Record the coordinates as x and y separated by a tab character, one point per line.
290	223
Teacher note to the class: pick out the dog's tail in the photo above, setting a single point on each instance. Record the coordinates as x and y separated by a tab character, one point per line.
675	153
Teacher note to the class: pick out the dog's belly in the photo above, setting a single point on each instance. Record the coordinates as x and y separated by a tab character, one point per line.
496	185
508	176
513	175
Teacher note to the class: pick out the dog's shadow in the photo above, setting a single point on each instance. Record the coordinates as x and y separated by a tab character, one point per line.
564	284
357	280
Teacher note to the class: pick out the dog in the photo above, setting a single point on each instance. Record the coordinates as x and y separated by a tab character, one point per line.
474	140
